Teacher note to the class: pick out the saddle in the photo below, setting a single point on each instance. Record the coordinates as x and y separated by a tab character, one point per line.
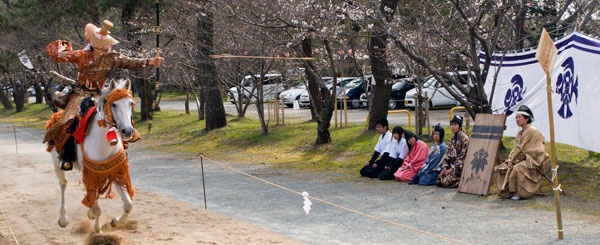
64	142
88	110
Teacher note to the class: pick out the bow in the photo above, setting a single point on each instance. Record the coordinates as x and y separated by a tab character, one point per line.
157	83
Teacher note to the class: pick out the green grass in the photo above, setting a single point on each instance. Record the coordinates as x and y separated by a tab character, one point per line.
291	146
241	141
173	96
34	115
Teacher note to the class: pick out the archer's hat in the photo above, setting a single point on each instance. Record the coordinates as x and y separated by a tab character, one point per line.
98	37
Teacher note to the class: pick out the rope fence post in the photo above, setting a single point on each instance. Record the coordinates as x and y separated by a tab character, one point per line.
203	182
16	145
269	109
427	116
345	109
282	111
276	110
335	108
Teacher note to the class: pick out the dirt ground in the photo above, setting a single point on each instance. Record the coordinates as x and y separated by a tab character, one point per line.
30	201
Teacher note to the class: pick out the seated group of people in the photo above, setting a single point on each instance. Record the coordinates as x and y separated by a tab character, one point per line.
404	157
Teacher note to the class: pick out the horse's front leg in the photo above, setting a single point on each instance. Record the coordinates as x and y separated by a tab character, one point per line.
62	182
94	213
127	206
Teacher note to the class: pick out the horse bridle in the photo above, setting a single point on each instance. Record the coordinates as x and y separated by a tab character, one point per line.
113	96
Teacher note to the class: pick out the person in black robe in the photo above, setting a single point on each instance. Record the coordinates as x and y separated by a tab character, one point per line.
374	166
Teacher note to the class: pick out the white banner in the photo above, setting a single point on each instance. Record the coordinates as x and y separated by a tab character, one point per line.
25	60
575	90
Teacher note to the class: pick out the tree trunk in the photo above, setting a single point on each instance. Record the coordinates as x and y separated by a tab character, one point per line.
382	74
215	111
313	86
19	97
48	96
324	122
242	103
187	103
521	9
419	108
144	87
260	106
39	93
132	32
5	100
145	94
200	105
324	119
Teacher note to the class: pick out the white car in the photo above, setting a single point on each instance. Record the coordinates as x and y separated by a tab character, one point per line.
304	100
347	82
291	95
272	85
438	94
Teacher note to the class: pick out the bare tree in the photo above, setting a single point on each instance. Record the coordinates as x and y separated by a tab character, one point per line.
382	74
207	73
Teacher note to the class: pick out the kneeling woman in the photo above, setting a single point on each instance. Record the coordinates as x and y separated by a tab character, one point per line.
433	165
417	154
519	176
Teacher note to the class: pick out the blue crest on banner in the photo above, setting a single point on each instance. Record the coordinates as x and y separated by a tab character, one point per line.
514	94
566	87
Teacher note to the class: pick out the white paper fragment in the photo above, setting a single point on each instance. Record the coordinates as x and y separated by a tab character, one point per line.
307	202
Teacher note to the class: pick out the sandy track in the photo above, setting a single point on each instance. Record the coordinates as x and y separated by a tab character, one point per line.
30	198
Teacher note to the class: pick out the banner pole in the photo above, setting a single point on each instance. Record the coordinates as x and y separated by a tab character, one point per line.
555	185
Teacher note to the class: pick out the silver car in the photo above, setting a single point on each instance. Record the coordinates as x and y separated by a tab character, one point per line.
291	95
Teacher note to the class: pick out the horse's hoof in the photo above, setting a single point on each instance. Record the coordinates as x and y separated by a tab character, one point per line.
63	222
114	222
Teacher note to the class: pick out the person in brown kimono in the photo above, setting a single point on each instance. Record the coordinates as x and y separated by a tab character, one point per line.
519	176
94	63
452	164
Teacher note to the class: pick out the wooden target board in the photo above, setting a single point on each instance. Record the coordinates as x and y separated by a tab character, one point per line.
482	154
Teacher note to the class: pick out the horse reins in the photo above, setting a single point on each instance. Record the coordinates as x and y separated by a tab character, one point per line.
114	95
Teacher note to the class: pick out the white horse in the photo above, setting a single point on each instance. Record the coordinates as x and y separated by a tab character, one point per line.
97	148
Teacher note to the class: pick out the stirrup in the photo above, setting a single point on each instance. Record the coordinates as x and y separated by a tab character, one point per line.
66	165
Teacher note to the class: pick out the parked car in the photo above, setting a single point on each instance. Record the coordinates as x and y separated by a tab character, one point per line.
346	85
399	90
438	94
353	95
272	85
305	96
291	95
304	100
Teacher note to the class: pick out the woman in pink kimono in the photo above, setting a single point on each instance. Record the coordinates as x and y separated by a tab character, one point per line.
417	154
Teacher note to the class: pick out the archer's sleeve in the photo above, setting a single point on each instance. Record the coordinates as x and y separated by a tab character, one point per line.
60	46
124	62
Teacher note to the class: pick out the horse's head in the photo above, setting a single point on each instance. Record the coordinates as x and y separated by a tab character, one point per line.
117	105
